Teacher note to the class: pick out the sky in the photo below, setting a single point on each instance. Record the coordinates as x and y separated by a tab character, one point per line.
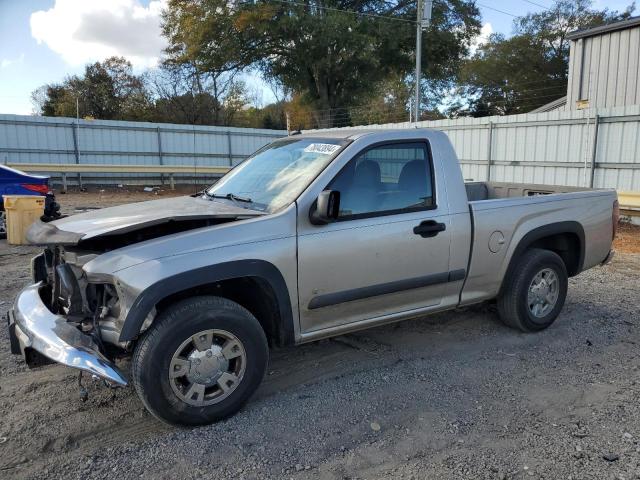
43	41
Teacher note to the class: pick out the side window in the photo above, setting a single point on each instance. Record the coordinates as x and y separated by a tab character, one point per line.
387	179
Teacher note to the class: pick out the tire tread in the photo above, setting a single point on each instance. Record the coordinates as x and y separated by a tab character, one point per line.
165	320
508	300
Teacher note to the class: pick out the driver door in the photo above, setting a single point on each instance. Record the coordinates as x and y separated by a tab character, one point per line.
388	251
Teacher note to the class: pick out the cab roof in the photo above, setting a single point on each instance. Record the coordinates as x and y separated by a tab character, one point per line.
354	133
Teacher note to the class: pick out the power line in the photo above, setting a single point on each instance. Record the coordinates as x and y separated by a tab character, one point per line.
519	99
401	116
513	85
393	114
349	117
496	10
518	85
555	87
349	12
346	111
526	105
537	4
529	90
536	82
397	19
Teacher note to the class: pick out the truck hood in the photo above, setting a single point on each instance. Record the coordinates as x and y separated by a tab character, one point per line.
134	222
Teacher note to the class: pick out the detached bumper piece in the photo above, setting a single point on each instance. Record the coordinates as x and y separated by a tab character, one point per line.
32	326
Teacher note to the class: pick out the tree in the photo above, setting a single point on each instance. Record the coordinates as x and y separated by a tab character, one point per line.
175	93
523	72
387	102
108	90
186	95
332	53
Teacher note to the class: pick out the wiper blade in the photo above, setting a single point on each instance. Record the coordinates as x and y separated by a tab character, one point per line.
229	196
238	198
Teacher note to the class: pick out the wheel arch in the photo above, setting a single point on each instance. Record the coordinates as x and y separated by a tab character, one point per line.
564	238
255	284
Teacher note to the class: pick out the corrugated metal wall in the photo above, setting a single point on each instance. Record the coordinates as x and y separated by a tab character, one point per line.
605	69
555	148
26	139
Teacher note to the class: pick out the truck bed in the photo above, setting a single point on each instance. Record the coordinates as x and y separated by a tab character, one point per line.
503	213
479	191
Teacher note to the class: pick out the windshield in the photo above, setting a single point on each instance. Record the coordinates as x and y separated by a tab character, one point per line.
275	175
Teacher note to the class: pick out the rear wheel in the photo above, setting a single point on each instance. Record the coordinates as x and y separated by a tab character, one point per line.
200	361
535	291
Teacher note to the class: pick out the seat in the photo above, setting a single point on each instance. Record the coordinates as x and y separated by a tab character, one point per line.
362	195
414	185
367	176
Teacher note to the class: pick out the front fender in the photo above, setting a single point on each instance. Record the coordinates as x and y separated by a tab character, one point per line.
150	296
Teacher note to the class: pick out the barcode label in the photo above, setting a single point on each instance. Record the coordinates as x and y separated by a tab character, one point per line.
324	148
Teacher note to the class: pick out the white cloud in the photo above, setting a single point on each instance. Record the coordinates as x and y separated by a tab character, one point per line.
82	31
485	33
7	62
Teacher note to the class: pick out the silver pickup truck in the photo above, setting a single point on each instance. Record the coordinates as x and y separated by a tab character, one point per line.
313	236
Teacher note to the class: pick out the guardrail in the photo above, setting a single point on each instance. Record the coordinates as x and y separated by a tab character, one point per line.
66	168
629	203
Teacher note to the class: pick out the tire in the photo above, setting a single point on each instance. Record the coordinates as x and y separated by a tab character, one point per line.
194	395
520	304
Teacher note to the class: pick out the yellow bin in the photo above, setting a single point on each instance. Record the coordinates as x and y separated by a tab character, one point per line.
22	211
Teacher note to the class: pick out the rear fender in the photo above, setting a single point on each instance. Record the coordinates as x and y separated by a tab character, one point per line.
542	232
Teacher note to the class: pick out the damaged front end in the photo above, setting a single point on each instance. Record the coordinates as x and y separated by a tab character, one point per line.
92	306
61	317
74	314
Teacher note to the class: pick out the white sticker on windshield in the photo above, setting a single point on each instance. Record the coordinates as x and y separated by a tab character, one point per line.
324	148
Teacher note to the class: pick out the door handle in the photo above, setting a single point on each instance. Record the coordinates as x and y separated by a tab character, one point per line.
429	228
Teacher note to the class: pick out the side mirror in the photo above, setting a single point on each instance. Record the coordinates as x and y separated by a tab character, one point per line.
326	207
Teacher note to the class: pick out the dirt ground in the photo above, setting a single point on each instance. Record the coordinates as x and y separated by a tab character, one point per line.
627	239
455	395
75	201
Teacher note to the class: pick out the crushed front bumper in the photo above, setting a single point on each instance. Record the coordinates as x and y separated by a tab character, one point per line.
33	326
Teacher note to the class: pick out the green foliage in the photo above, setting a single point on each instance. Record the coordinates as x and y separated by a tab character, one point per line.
175	94
523	72
107	90
338	62
331	58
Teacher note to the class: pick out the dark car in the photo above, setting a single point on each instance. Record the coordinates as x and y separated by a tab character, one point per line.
15	182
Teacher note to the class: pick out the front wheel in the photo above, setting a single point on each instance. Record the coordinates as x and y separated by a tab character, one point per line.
200	361
535	291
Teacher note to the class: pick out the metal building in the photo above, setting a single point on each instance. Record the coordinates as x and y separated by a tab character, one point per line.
604	66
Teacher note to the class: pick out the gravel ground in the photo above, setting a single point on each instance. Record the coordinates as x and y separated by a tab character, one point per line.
454	395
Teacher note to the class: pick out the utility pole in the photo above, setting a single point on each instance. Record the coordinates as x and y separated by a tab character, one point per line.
423	18
77	142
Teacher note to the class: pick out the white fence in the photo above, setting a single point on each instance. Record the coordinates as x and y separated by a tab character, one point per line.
576	148
58	140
